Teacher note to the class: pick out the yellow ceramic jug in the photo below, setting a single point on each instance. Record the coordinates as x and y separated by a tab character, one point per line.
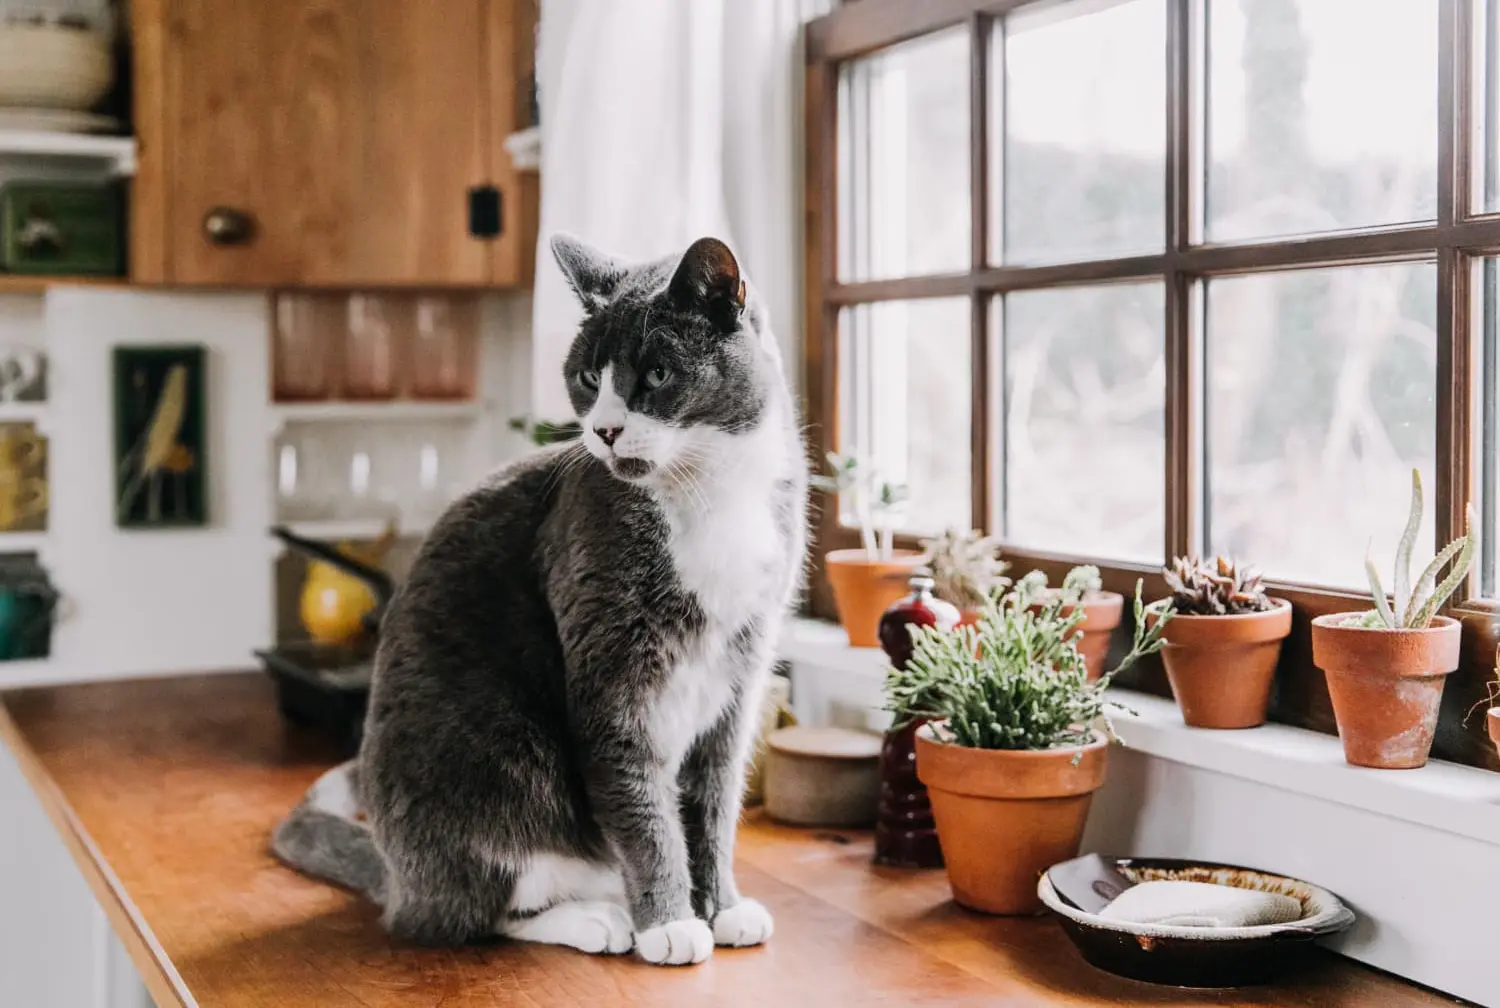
334	603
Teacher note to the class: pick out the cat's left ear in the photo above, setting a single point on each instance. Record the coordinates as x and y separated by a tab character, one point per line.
708	281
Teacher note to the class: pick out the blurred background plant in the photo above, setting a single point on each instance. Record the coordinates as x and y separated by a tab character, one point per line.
878	504
966	567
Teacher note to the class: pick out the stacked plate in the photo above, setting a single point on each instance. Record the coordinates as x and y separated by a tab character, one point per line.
52	71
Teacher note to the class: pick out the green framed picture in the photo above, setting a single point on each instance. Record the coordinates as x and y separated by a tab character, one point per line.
160	437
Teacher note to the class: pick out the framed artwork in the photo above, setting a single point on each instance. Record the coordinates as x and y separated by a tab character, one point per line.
23	478
160	437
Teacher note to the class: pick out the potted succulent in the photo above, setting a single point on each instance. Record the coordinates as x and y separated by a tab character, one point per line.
866	580
1221	648
966	570
1386	666
1492	718
1015	747
1081	589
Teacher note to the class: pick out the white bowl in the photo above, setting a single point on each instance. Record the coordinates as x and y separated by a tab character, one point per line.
46	66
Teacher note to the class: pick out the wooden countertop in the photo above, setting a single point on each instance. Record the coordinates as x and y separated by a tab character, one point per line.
166	792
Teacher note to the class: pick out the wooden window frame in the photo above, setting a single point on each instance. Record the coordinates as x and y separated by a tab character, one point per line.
1454	241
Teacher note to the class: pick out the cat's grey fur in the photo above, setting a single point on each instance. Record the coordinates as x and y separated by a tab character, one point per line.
566	684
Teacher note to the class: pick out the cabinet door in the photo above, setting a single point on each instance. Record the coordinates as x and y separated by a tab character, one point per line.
347	133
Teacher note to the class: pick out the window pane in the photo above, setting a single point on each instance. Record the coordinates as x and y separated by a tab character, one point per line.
1085	428
904	160
1321	397
1488	463
905	405
1322	115
1083	174
1487	153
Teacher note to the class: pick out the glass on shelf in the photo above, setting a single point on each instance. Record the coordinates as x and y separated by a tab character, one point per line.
372	339
442	347
304	345
302	479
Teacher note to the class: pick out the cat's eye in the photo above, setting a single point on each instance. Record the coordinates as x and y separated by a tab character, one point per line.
589	379
656	377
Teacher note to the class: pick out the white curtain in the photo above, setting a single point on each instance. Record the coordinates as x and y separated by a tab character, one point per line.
663	121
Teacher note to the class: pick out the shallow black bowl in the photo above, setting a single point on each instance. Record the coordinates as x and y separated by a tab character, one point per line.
326	688
1202	957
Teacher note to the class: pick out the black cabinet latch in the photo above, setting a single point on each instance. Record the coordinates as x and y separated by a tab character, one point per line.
486	219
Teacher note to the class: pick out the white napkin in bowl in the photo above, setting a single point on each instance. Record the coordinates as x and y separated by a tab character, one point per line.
1201	904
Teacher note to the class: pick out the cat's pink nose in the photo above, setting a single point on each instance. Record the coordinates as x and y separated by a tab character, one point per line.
609	434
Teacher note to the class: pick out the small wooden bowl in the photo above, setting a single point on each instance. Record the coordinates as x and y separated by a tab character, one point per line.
1202	957
822	777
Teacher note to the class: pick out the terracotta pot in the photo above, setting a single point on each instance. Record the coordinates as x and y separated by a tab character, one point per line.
1494	723
1222	667
1101	614
1386	686
864	589
1004	817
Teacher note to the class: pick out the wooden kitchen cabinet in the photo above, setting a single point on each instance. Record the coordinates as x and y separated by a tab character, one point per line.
330	143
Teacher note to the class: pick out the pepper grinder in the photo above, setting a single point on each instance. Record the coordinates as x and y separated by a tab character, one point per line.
905	835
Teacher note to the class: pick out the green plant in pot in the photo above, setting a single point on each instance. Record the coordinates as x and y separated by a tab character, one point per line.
1492	716
1386	666
966	570
1015	747
1082	589
1222	646
866	580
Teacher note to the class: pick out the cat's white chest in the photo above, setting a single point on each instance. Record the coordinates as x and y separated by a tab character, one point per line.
730	557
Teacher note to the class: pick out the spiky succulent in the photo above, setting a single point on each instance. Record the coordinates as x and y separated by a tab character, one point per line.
966	568
1413	604
1016	680
1219	587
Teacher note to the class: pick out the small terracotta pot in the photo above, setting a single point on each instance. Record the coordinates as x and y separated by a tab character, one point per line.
1004	817
1101	614
863	589
1494	723
1222	667
1386	686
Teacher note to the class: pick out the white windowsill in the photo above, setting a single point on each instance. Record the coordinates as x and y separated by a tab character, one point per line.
1458	799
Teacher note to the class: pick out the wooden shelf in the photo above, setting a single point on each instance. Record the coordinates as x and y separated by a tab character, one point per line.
354	528
394	411
22	542
18	283
116	153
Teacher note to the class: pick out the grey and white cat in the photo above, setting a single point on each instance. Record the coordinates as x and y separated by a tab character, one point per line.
566	684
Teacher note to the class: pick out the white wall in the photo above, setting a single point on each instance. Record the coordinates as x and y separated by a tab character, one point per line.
159	600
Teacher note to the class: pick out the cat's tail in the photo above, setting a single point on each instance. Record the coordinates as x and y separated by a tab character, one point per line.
325	837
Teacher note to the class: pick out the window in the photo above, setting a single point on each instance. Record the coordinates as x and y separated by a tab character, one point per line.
1124	279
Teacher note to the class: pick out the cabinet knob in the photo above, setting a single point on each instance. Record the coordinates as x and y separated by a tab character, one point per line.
228	226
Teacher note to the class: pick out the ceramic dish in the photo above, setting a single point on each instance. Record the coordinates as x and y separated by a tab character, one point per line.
1201	957
50	66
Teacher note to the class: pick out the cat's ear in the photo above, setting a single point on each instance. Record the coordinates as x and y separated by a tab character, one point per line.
708	281
592	274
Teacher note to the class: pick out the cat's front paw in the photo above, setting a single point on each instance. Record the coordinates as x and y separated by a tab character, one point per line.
675	943
745	923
